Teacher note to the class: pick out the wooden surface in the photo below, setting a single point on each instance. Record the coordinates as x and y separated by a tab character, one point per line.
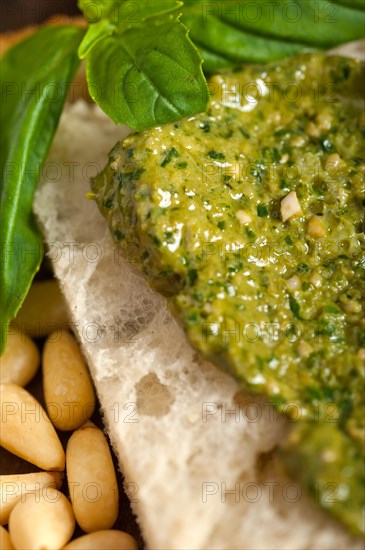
15	14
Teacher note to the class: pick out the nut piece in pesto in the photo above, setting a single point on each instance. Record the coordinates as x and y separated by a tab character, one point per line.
290	207
249	217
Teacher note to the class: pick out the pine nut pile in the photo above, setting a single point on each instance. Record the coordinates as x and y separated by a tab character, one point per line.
38	515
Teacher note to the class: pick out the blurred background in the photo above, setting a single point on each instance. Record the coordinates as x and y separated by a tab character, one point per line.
21	13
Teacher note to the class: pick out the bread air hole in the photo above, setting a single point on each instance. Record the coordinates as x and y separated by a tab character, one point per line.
153	397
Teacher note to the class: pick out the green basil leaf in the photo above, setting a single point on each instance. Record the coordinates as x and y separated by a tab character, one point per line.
143	10
94	11
212	61
95	32
355	4
321	23
149	75
36	75
230	43
230	33
126	13
114	15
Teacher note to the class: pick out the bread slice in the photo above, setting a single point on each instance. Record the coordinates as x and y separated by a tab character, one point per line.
197	452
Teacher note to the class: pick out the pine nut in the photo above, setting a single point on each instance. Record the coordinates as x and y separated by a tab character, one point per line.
91	479
42	522
334	163
294	282
304	348
44	310
316	228
26	429
290	207
5	541
243	217
68	391
312	130
20	360
324	120
110	539
316	279
352	306
14	487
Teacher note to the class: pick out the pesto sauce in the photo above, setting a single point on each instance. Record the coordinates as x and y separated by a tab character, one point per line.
277	301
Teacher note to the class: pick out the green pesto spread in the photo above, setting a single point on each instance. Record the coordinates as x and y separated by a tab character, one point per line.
250	218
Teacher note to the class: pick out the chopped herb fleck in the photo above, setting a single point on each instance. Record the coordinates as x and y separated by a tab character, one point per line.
205	126
294	306
331	308
250	234
244	132
262	211
194	317
285	185
125	178
192	276
108	203
216	155
169	155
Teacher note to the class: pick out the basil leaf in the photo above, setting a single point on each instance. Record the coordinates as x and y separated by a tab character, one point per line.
36	75
321	23
355	4
143	10
212	61
294	306
126	13
221	39
231	33
114	15
95	32
94	11
149	75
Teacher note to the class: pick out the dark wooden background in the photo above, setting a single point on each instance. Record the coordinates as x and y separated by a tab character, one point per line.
16	14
